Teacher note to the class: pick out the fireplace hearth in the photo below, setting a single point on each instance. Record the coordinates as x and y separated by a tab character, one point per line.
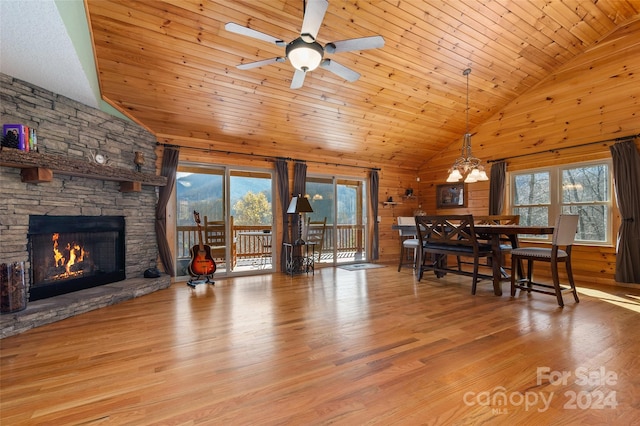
71	253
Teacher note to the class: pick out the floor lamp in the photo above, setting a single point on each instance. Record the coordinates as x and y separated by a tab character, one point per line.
298	206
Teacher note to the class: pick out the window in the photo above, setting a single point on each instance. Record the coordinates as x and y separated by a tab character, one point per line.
540	195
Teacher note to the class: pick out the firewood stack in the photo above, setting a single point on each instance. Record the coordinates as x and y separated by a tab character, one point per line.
13	292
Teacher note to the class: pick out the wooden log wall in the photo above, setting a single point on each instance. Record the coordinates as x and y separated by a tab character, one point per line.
593	98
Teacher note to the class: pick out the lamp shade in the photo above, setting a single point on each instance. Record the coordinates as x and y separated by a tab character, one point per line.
470	178
454	176
299	204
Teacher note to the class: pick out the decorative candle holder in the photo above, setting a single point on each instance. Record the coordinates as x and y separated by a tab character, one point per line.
13	291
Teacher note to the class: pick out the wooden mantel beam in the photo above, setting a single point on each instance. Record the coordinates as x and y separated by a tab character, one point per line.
36	166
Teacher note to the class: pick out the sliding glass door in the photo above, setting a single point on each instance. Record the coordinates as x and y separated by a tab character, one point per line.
235	211
251	207
350	226
341	202
200	195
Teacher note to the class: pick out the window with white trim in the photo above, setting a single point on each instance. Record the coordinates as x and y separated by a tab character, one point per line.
540	195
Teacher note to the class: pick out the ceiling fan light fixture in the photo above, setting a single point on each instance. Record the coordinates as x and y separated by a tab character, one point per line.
305	53
304	56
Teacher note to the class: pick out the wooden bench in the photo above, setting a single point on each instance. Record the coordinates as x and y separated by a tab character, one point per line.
450	235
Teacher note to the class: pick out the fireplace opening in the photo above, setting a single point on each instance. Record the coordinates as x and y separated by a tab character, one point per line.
71	253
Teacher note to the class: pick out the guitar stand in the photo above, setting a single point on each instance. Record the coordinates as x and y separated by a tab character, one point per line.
193	282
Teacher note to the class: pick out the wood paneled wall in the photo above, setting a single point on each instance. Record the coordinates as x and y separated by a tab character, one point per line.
594	98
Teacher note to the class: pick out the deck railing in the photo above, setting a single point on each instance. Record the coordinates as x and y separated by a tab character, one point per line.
347	238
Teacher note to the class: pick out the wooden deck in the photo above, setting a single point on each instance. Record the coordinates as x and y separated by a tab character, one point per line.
340	347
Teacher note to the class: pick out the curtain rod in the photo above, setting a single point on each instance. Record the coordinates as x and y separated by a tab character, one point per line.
267	157
566	147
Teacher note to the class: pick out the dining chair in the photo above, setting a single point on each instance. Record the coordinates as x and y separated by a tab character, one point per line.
408	240
505	242
564	235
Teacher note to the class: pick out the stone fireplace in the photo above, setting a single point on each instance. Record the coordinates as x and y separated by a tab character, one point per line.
69	136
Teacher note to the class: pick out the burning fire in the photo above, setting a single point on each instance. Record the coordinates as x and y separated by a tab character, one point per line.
59	258
76	255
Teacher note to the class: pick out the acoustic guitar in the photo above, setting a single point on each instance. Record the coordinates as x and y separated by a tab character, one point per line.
202	262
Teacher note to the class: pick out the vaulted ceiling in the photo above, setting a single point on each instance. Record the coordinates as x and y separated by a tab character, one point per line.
171	67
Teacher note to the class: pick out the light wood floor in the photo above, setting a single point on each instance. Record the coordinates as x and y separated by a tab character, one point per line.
340	347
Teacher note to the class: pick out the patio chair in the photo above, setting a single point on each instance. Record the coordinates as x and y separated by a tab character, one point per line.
315	234
215	236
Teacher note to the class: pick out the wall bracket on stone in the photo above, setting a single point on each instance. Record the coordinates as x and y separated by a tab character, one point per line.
38	167
36	175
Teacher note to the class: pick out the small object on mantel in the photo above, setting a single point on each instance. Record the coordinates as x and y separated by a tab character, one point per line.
10	140
138	160
99	158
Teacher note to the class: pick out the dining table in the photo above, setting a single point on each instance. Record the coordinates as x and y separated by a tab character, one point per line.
494	234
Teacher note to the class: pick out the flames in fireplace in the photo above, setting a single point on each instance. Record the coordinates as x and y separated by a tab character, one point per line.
71	259
70	253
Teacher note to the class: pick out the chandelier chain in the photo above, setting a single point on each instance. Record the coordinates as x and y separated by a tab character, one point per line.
467	166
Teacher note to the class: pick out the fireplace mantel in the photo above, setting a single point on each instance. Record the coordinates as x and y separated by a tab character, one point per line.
39	167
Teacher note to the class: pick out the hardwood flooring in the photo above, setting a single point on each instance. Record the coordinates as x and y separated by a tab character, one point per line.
341	347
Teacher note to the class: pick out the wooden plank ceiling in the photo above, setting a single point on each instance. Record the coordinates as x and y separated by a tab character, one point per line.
171	66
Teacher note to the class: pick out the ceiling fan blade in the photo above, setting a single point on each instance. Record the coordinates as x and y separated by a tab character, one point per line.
245	31
313	16
257	64
364	43
340	70
298	79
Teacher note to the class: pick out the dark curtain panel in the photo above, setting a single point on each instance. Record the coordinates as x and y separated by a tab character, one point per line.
496	188
299	187
282	181
626	174
299	179
169	167
374	185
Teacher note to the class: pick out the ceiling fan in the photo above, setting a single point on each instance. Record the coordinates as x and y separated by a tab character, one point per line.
305	53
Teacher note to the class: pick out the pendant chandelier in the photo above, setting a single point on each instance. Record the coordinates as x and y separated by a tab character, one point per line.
467	166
